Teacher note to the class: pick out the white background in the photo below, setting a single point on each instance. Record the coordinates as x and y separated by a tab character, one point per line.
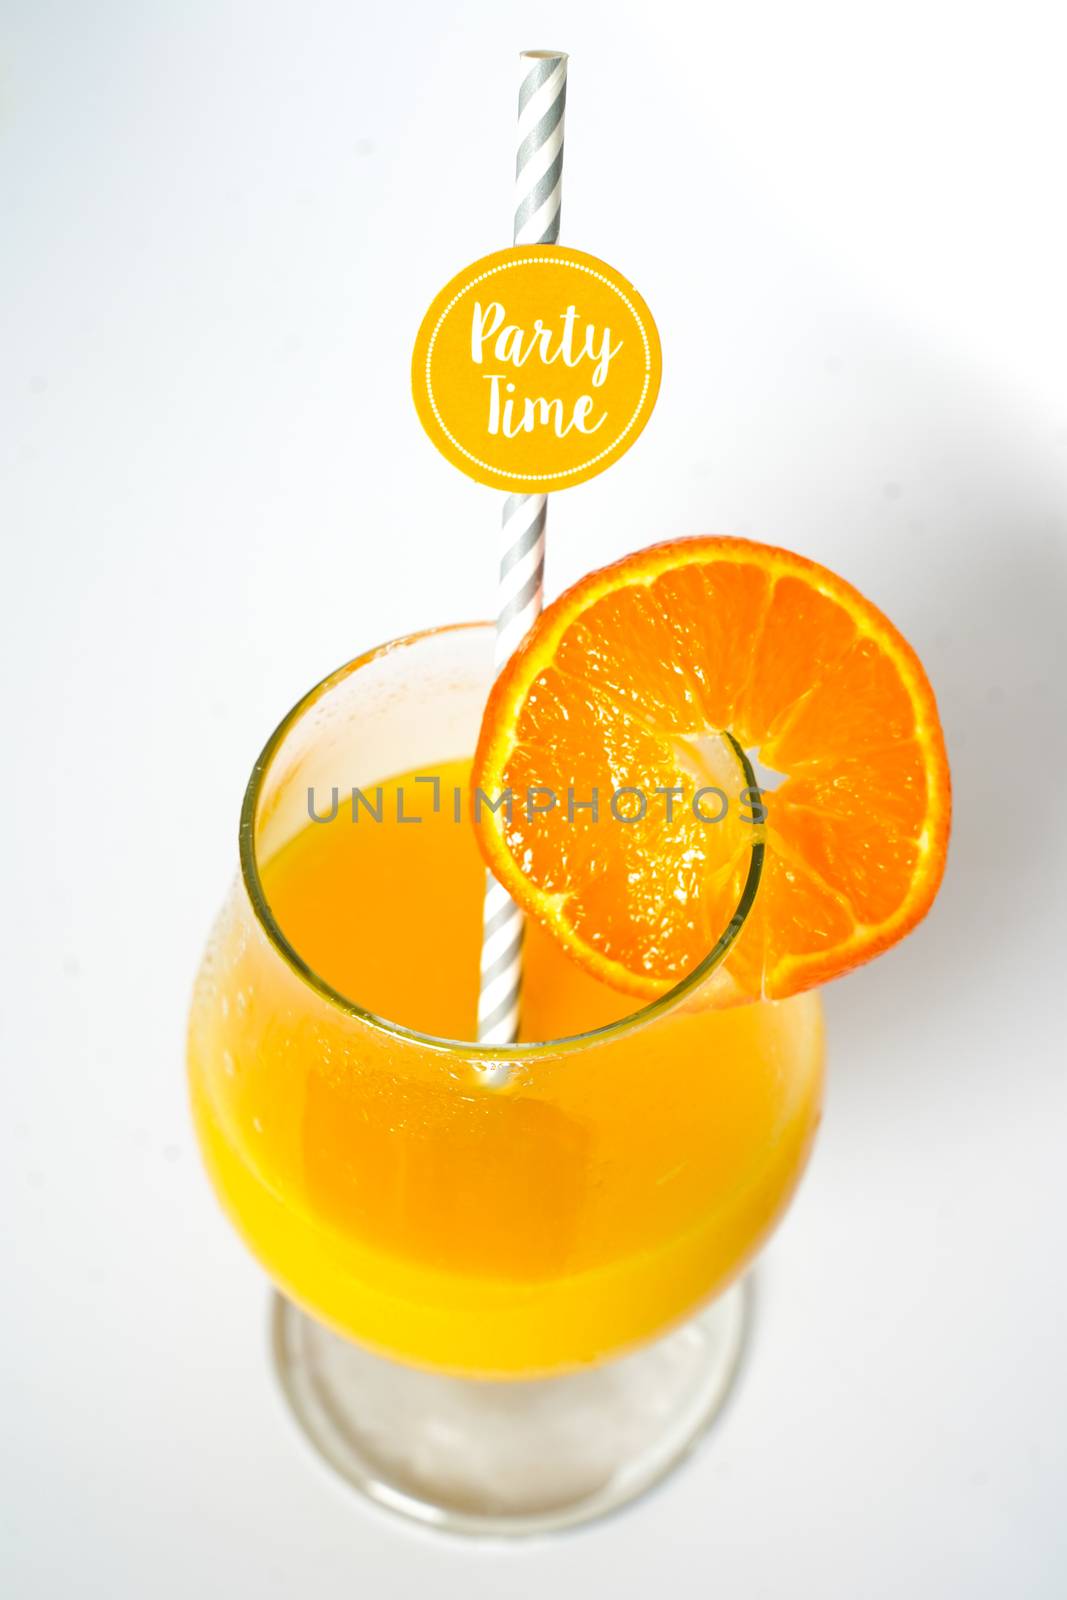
222	223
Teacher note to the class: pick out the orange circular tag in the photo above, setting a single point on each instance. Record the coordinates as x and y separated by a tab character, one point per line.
536	368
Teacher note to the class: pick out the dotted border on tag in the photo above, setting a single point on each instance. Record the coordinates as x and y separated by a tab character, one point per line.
509	266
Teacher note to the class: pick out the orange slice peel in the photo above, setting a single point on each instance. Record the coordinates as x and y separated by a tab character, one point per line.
667	674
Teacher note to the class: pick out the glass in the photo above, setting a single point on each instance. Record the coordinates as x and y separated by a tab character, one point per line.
486	1257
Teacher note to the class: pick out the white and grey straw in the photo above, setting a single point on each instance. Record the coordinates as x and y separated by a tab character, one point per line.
538	189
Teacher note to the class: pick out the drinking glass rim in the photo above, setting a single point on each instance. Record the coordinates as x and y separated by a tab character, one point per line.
468	1050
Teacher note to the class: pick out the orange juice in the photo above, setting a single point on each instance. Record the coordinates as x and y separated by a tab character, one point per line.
586	1203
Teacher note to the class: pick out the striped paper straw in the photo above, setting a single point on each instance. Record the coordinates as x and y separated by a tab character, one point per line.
538	190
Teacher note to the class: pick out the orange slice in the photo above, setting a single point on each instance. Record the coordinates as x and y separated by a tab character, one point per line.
632	680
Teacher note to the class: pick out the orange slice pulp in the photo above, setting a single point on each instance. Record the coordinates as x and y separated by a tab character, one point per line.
630	681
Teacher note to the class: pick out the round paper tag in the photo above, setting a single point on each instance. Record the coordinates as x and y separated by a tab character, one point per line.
536	368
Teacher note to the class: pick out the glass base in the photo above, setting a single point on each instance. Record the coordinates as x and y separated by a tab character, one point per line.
503	1459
